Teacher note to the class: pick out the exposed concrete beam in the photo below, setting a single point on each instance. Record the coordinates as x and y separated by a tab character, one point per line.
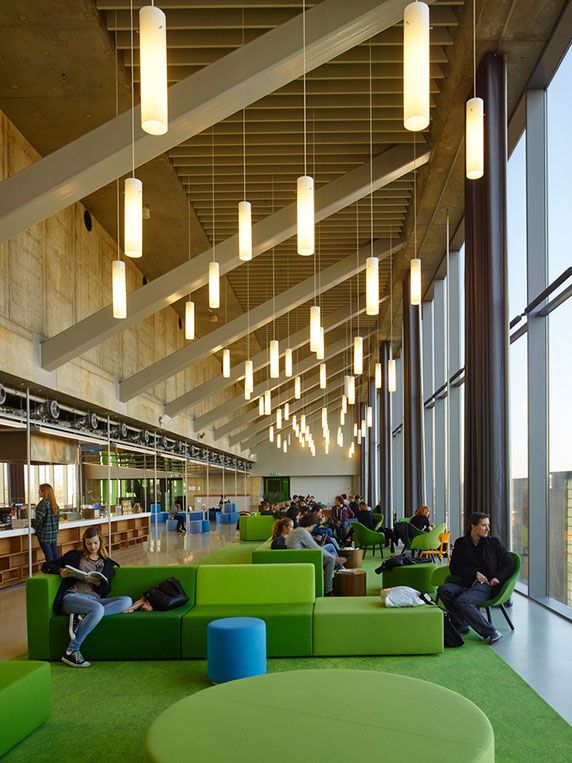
255	319
294	341
193	274
206	97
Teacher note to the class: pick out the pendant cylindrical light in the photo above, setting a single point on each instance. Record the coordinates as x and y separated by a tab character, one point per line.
415	287
119	289
326	446
323	376
416	66
286	411
297	388
342	418
133	218
248	376
369	416
391	375
279	418
305	207
278	440
267	402
344	404
153	70
261	406
363	427
314	328
189	319
378	375
352	390
355	429
274	359
294	421
247	393
475	138
303	422
321	348
288	362
372	286
285	446
351	451
358	355
324	417
226	364
271	433
214	285
359	437
244	231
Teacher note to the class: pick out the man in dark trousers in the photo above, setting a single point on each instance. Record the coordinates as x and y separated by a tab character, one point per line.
483	564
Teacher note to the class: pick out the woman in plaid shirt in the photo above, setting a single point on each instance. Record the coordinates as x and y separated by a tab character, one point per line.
47	522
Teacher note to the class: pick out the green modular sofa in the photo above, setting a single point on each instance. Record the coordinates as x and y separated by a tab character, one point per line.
138	636
265	555
255	527
25	700
280	594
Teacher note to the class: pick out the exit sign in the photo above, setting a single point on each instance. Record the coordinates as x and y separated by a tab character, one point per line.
274	474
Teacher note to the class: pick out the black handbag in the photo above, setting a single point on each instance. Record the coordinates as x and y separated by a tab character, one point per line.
451	636
168	594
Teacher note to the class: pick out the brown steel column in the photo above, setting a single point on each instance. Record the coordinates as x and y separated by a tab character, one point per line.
413	490
487	466
385	474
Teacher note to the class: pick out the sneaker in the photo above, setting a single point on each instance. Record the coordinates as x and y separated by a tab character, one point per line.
494	637
75	622
75	660
464	631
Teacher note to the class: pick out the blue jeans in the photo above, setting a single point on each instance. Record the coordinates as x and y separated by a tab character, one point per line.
461	604
50	550
93	609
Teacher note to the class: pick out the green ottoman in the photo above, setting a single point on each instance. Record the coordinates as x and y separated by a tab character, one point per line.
245	721
25	700
416	576
359	625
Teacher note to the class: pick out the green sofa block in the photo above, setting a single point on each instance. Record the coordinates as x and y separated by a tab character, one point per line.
265	555
138	636
255	527
25	700
361	625
418	576
280	594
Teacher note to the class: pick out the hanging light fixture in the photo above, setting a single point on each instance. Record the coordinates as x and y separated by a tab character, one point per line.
274	359
294	421
352	390
279	418
214	285
359	437
391	375
305	183
369	416
285	446
286	411
261	406
363	427
355	429
248	376
320	352
297	388
416	99
327	446
372	286
267	402
351	450
226	364
342	418
344	403
244	231
303	422
314	328
415	282
358	355
119	289
271	433
288	363
340	438
378	375
278	440
189	319
324	417
133	217
475	121
153	66
323	376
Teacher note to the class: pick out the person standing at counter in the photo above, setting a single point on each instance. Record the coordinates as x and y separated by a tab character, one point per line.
47	522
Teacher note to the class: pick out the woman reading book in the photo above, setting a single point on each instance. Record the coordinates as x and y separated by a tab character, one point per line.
85	600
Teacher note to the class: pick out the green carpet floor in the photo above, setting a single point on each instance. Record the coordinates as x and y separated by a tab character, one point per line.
102	714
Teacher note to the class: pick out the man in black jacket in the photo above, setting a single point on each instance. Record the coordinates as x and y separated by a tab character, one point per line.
483	564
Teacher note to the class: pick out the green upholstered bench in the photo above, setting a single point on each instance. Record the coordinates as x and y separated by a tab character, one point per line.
138	636
361	625
25	700
265	555
255	527
280	594
416	576
367	713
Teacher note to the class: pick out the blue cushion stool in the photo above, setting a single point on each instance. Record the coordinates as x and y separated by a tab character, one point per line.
206	525
195	515
236	648
171	525
196	526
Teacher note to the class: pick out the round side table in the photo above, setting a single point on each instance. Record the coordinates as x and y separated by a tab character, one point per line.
350	583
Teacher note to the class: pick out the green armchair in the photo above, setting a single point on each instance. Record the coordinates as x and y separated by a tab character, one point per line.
365	538
428	541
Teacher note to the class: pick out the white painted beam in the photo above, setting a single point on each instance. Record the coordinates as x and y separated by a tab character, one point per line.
193	274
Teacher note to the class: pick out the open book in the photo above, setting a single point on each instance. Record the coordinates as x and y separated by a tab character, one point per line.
81	575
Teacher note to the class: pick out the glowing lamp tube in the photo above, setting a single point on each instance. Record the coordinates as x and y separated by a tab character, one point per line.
261	406
352	390
133	218
286	411
369	416
267	402
271	433
474	138
274	359
297	388
320	350
189	320
248	376
226	364
372	286
244	231
288	363
358	355
378	375
415	287
391	375
305	214
119	289
214	286
314	328
416	67
323	376
279	418
153	66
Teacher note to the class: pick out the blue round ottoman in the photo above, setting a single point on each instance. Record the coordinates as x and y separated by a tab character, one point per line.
206	525
236	648
196	526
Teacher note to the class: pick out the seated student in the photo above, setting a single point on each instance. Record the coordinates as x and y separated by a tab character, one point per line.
341	515
301	537
365	516
282	528
85	601
323	534
265	510
420	519
175	513
294	513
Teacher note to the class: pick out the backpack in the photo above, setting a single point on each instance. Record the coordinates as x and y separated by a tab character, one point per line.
398	561
451	636
168	594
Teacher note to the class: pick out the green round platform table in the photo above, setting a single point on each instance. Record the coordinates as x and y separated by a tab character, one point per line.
321	715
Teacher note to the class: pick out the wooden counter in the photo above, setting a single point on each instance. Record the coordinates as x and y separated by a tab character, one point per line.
126	530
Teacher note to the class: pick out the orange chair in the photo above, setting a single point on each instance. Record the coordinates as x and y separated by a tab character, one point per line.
443	550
